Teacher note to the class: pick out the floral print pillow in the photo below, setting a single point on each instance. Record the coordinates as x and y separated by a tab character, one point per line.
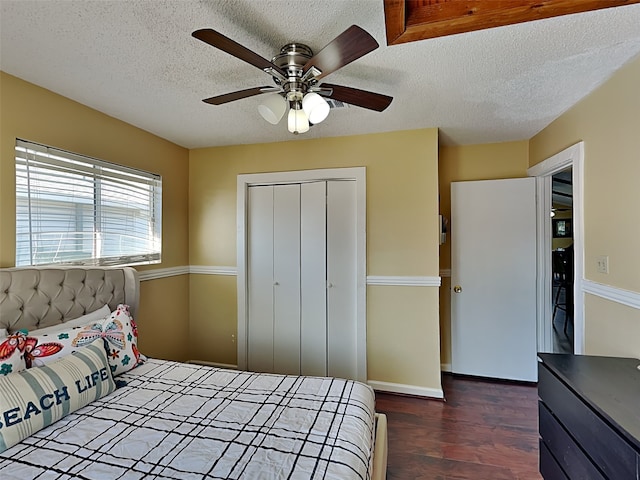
120	334
118	331
12	353
43	349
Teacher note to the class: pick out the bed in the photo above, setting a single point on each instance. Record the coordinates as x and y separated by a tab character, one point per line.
164	419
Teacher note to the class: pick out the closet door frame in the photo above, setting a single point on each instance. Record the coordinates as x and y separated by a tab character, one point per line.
357	174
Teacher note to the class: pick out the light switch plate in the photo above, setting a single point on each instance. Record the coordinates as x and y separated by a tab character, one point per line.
603	264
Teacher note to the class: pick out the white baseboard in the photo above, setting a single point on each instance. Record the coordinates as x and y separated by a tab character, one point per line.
380	386
406	389
213	364
445	367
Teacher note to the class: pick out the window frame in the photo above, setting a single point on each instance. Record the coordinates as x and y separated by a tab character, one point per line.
118	208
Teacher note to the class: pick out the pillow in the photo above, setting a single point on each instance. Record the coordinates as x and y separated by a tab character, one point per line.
121	340
118	330
12	348
94	316
13	363
33	399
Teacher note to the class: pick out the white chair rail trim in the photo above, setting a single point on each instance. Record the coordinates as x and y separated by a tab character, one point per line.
162	273
213	270
405	281
614	294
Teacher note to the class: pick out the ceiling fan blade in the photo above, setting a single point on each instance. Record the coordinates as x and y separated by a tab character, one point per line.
359	98
350	45
240	94
216	39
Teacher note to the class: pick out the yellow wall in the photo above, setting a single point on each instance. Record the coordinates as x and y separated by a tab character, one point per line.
402	239
33	113
199	216
462	163
608	121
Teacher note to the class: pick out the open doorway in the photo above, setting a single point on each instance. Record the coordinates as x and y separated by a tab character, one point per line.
570	159
562	261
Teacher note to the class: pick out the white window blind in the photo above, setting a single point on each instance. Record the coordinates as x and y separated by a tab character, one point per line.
74	209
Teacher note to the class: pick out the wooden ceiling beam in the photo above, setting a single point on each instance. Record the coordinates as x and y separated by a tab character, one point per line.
413	20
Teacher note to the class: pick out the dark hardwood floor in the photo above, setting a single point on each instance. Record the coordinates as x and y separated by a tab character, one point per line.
483	431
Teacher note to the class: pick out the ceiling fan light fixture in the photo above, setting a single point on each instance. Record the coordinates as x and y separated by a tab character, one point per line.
316	107
296	71
298	121
272	108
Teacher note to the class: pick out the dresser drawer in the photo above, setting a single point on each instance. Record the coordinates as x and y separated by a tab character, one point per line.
610	452
549	468
564	449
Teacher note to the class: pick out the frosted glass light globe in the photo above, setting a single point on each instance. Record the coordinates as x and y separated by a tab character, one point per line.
315	107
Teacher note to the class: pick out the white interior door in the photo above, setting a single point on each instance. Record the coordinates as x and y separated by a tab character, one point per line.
493	278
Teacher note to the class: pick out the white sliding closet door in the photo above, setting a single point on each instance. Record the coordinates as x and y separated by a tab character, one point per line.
286	276
260	278
341	279
313	286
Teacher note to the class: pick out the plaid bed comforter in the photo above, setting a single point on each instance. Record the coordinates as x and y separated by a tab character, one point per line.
184	421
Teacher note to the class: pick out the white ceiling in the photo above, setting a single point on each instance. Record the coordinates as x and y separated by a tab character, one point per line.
137	61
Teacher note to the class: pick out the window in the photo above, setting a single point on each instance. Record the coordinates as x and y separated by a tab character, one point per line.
78	210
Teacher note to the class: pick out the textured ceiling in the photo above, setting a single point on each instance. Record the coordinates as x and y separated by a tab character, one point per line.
135	60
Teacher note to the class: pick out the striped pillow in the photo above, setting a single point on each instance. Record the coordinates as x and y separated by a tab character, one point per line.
33	399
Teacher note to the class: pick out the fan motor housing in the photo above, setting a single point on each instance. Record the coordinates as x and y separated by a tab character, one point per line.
292	58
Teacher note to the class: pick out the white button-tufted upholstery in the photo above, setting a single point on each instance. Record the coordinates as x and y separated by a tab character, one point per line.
40	297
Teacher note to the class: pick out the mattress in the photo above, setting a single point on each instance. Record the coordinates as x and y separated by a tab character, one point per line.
184	421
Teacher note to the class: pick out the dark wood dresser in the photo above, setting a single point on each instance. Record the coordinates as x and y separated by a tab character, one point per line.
589	417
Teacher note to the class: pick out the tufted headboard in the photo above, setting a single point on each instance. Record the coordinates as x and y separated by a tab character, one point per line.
37	297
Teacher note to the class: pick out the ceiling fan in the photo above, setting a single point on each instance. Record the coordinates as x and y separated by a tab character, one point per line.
296	71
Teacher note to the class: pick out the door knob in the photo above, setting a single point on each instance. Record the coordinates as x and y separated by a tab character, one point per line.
457	289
